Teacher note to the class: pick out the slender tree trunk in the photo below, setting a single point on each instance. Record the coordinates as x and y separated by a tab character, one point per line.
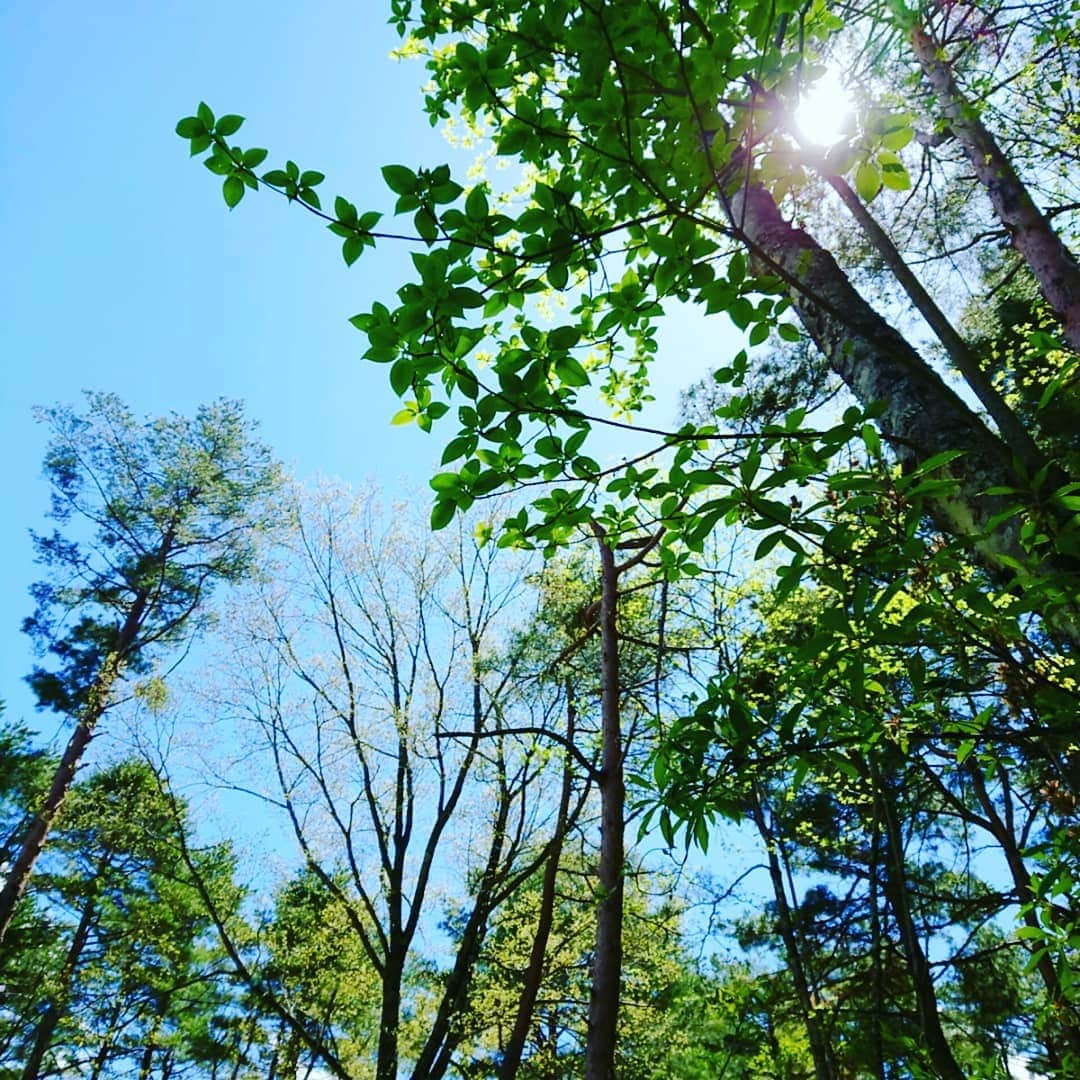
56	1007
873	864
102	1056
1053	265
160	1008
444	1035
1012	430
1004	835
824	1067
64	777
534	973
937	1045
288	1062
607	959
386	1065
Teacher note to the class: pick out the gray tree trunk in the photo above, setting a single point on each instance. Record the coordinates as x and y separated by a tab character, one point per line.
923	416
607	958
1053	265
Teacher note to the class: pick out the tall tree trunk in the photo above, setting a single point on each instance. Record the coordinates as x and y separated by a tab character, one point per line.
160	1008
1053	265
101	1058
873	863
534	973
923	416
963	357
896	889
444	1035
64	777
386	1064
607	958
824	1067
288	1060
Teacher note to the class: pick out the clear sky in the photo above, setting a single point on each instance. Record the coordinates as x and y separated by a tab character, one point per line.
126	272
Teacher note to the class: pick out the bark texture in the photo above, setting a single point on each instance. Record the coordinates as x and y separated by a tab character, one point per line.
607	958
922	416
1053	265
963	357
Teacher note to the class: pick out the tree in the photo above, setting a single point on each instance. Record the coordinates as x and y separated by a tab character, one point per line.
125	962
403	736
157	515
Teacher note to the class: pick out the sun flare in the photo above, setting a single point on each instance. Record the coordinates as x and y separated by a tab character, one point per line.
824	113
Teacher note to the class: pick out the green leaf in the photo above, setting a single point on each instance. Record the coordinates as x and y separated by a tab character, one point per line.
937	461
871	439
476	205
401	376
311	178
233	190
767	545
895	177
558	274
206	117
445	481
867	182
446	193
898	138
563	337
442	513
254	157
571	372
228	125
426	225
402	417
399	179
344	211
275	178
189	127
351	249
456	448
701	833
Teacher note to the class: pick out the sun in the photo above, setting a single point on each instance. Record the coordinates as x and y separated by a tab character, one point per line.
823	114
